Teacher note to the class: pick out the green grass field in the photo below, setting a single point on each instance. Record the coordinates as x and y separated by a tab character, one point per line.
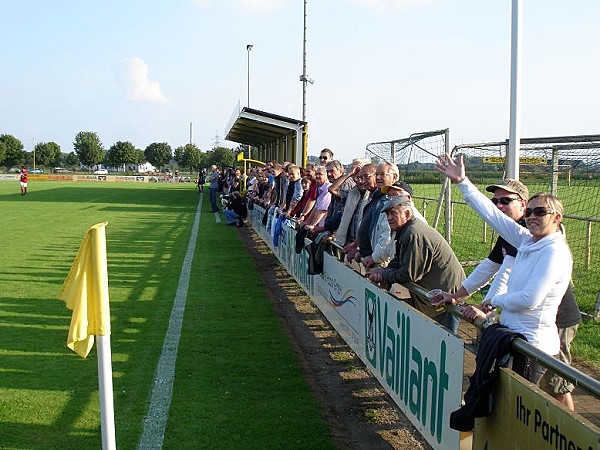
222	393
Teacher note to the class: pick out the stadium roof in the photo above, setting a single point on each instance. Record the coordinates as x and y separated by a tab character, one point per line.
257	128
276	137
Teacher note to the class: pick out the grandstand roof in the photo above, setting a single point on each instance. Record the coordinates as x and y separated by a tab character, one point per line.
259	128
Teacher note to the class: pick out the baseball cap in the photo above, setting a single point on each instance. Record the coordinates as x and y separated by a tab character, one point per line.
510	185
399	200
398	185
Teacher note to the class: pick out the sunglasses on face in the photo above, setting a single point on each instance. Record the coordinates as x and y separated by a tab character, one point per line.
503	200
540	211
323	157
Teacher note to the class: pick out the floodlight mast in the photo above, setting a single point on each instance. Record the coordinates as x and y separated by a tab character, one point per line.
248	48
304	78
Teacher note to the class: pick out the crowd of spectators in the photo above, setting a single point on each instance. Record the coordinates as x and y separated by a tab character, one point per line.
365	214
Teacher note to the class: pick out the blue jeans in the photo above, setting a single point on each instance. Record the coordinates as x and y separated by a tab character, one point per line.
231	216
213	199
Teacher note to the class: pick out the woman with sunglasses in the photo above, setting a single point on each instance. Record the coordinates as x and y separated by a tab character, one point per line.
541	271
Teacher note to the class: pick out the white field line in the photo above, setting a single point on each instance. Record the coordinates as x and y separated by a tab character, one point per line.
155	421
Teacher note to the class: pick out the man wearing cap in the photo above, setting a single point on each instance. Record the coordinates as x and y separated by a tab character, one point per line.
422	256
510	196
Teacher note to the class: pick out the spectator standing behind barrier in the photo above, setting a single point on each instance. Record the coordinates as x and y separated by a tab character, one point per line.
294	190
510	196
325	157
23	176
252	183
541	271
354	202
311	195
319	212
367	180
236	212
422	256
386	174
335	170
213	179
382	237
305	182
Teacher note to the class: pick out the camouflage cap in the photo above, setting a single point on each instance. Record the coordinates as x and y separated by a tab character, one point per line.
510	185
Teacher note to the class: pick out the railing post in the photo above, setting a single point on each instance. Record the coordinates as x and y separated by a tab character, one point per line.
588	245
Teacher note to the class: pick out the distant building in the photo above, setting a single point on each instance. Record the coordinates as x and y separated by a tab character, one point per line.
146	167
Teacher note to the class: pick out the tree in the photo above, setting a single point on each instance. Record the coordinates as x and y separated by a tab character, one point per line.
72	160
13	150
88	148
220	156
188	156
60	161
139	157
158	154
121	154
46	153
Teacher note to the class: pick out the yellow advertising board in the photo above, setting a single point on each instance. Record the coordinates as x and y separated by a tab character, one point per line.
524	160
525	418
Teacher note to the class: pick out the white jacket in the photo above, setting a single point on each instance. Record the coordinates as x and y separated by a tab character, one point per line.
540	275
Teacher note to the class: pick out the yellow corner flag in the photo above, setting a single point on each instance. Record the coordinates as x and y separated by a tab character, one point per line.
85	291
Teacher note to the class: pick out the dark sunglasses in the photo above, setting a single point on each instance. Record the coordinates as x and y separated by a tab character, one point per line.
503	200
540	211
323	157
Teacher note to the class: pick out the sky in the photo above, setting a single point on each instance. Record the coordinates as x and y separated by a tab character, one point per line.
143	70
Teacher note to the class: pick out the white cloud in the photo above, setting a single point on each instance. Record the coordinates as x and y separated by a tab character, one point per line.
139	87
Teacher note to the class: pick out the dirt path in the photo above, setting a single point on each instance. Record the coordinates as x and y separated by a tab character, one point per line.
360	413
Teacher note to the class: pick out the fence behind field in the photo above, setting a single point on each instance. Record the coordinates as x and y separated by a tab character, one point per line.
567	166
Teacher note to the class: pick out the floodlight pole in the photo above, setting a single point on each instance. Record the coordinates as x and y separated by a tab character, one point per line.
303	78
248	48
514	138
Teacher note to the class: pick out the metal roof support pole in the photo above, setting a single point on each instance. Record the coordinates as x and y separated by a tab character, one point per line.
299	150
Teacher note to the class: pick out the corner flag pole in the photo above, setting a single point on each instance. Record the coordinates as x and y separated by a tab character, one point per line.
105	387
85	292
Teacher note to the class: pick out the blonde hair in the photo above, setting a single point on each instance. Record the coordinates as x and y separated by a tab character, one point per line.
553	202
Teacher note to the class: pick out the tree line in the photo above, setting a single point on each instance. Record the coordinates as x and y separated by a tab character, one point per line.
89	152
